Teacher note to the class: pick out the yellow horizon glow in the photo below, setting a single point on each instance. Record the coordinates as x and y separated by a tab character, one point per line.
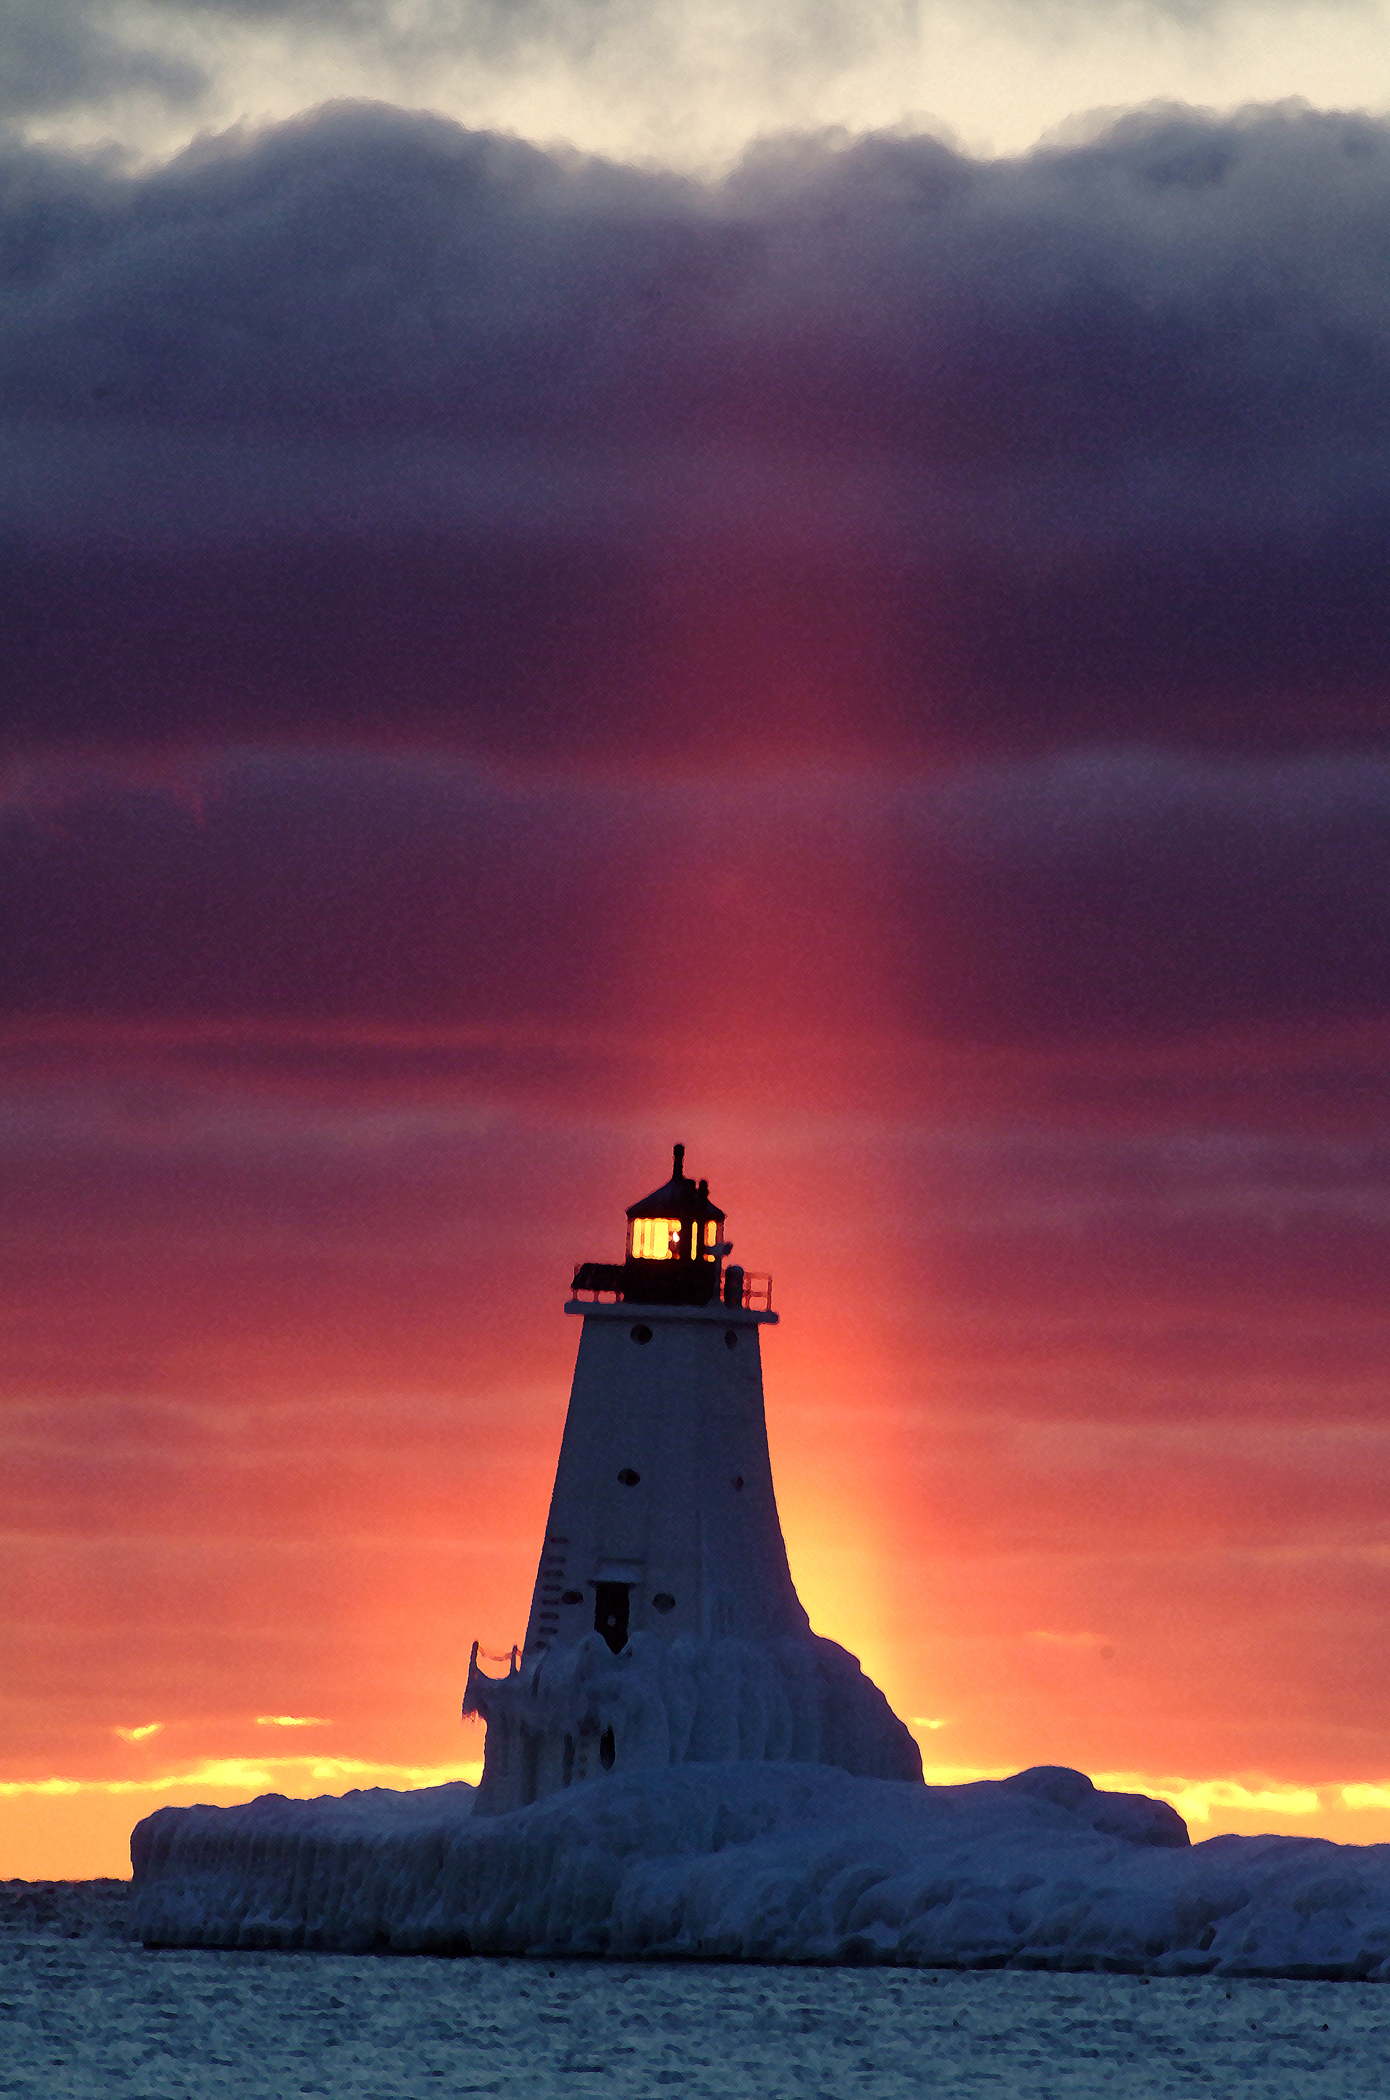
62	1829
55	1827
222	1772
1366	1797
1196	1800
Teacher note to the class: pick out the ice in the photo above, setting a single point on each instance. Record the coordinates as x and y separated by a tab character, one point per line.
281	1873
773	1863
796	1697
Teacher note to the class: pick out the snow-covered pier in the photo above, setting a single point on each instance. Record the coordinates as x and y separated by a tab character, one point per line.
770	1863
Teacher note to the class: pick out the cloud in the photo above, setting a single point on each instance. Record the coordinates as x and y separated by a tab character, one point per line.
696	75
1197	1799
372	425
826	30
1156	298
1366	1797
57	53
238	1776
693	79
1094	897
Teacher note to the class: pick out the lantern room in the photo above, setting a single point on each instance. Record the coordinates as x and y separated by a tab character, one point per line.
677	1222
675	1251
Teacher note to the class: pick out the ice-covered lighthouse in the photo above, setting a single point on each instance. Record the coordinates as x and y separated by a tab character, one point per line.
665	1628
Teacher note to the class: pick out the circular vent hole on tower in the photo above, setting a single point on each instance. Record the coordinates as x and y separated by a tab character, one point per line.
573	1597
641	1334
628	1478
738	1483
663	1601
730	1338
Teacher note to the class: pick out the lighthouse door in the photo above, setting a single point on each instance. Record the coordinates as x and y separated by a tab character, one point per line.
611	1612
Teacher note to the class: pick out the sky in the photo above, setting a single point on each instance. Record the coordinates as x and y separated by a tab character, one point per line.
809	582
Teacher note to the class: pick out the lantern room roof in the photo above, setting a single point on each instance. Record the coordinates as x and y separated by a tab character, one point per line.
680	1198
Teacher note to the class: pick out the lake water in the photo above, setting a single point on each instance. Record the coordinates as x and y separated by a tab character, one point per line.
94	2014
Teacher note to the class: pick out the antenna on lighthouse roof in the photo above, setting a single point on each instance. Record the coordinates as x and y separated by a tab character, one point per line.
678	1168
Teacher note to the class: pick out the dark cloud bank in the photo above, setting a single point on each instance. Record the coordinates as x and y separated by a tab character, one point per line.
872	461
1096	896
369	425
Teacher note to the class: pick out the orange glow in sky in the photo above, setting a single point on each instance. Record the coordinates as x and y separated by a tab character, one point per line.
277	1456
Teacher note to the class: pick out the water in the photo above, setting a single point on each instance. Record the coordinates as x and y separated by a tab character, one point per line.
93	2015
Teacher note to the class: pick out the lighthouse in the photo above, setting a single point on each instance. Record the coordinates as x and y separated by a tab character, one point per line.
664	1626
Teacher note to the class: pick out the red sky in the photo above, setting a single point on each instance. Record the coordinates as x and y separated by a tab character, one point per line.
1077	1428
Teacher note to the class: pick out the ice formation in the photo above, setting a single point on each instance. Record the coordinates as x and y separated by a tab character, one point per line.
661	1702
769	1862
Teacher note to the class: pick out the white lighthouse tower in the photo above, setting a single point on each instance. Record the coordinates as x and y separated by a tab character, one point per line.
664	1624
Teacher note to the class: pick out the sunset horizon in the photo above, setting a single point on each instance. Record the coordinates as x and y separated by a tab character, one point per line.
1003	1640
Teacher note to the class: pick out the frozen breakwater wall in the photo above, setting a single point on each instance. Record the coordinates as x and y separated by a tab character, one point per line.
774	1863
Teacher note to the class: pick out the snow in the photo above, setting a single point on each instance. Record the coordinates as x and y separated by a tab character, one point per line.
88	2017
781	1863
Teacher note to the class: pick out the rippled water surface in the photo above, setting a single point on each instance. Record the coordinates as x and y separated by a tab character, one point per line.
93	2014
